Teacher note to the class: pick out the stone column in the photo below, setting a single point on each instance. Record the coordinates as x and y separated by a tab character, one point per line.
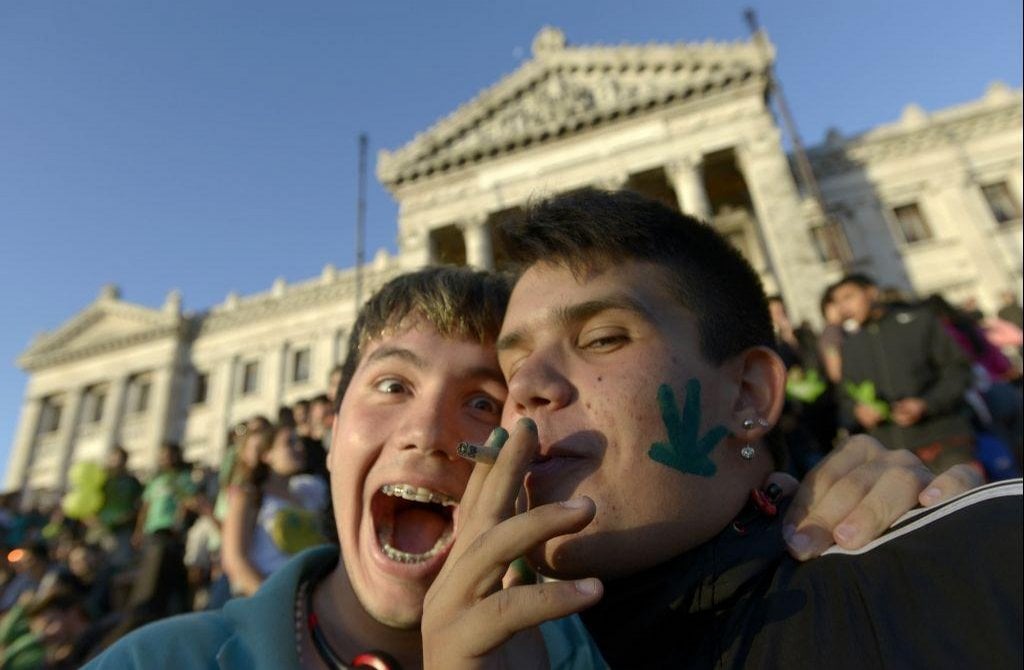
73	414
163	381
477	235
782	223
21	455
688	182
278	375
416	250
115	414
220	394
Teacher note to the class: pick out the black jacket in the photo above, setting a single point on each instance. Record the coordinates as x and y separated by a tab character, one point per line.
907	353
942	589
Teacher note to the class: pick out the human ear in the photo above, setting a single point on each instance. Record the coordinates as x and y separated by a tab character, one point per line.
762	389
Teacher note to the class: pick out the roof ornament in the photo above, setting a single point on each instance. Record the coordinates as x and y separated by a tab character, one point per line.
172	303
549	40
110	292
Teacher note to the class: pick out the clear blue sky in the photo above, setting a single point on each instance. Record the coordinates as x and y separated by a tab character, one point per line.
210	146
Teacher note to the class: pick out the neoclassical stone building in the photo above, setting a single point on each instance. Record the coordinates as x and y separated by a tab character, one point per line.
931	203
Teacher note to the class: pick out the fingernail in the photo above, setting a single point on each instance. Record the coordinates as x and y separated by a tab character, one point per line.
575	503
497	438
932	493
528	423
799	542
587	587
846	532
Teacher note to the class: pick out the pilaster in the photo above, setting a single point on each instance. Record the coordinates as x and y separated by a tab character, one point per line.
477	235
688	182
28	428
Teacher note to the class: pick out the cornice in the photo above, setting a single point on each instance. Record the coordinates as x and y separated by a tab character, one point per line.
34	361
566	90
947	128
294	298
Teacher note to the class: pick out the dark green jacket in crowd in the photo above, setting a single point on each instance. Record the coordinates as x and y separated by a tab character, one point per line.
907	353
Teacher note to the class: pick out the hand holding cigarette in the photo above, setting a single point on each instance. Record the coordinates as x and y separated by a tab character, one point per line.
469	620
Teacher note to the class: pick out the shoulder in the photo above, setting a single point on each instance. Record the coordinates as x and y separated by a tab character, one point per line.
185	642
311	490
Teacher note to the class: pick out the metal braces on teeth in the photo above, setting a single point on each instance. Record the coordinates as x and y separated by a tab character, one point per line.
417	494
405	557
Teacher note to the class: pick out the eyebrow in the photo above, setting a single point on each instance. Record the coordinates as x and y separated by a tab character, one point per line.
580	312
420	363
384	353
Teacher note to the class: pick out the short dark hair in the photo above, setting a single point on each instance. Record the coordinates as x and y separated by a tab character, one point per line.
857	279
590	228
459	302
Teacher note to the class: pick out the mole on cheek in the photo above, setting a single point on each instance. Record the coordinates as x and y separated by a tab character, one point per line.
600	379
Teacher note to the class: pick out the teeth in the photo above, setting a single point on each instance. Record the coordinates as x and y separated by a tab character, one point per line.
417	494
405	557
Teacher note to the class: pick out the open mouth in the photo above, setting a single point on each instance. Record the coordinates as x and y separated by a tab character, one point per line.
413	524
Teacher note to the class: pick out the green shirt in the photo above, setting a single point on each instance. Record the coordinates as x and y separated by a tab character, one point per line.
165	495
120	497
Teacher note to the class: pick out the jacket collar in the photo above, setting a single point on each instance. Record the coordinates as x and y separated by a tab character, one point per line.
264	624
682	609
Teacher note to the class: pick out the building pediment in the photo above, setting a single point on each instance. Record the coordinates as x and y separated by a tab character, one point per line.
564	90
107	324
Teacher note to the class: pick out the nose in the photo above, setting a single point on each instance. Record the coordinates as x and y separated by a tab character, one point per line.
540	384
430	427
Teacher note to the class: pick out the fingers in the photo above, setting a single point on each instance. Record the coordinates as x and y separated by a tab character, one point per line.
954	481
477	571
475	485
851	503
505	479
853	453
499	616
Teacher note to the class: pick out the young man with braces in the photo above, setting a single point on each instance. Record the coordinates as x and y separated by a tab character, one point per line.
422	376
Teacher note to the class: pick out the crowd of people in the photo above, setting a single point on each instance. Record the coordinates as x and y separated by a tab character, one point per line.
188	538
919	374
639	375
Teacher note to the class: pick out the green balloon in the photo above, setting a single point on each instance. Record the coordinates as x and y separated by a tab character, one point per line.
87	475
73	504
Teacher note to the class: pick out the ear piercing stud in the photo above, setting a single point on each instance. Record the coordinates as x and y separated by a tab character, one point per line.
747	453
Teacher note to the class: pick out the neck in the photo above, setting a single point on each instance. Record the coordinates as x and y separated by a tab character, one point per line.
350	630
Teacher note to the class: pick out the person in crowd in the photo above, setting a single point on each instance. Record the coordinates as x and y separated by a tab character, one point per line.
122	497
997	403
830	342
643	398
808	424
333	382
161	585
904	378
274	510
30	564
300	414
313	441
1010	309
421	376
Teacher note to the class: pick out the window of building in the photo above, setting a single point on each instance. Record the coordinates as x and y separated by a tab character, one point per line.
138	394
250	377
200	388
300	366
49	421
95	399
910	224
1003	205
830	242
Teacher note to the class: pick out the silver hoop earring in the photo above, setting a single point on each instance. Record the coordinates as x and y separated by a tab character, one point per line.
747	453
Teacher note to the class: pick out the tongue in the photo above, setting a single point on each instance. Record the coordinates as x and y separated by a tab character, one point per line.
417	530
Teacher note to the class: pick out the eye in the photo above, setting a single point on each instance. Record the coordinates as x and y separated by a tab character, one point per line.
390	385
602	340
486	403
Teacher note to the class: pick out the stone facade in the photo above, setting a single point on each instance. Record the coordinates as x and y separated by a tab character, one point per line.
930	203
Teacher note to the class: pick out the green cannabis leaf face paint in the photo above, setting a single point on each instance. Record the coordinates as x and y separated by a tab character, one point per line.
685	451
